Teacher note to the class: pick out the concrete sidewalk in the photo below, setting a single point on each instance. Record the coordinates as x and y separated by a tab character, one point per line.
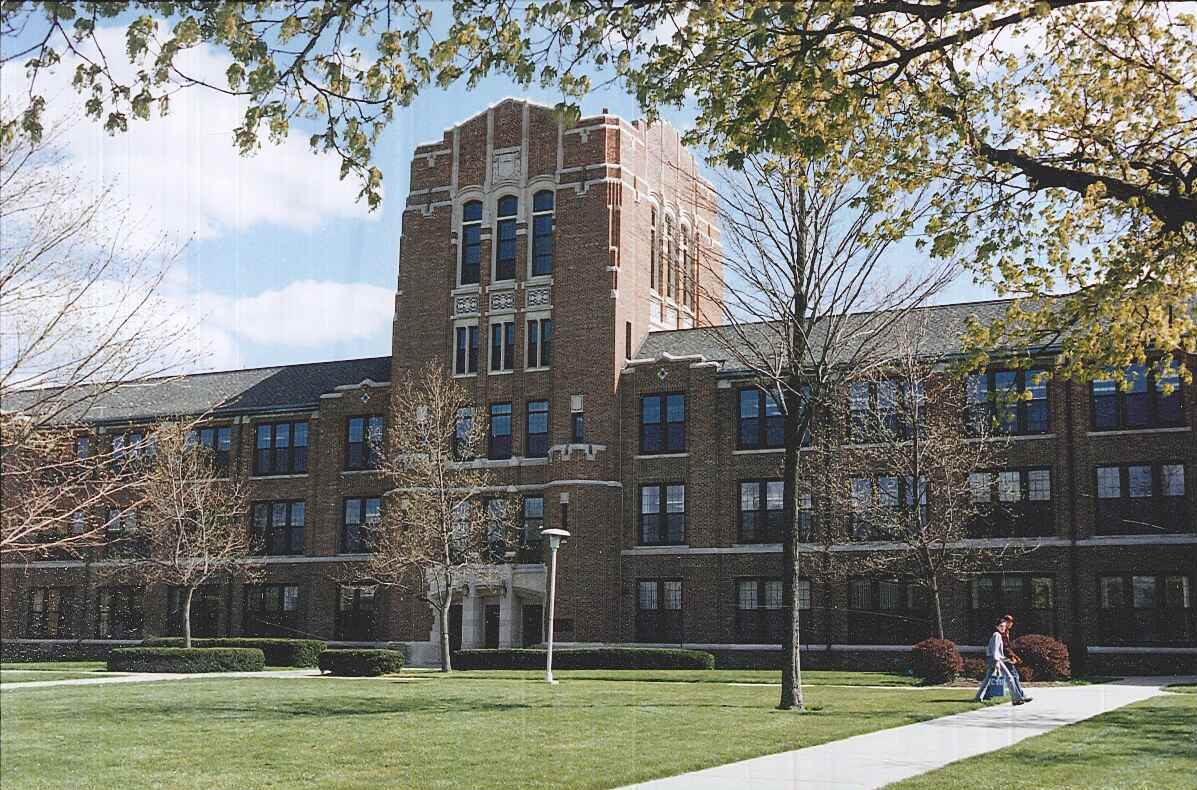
103	679
876	759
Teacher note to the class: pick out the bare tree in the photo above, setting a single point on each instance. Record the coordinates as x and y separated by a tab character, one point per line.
444	519
916	477
192	522
78	320
808	301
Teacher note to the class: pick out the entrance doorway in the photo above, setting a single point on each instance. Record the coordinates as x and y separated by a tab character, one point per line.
533	624
455	627
491	640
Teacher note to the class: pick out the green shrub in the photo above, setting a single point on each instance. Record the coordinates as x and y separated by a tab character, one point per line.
936	660
361	663
180	659
278	652
585	658
1047	658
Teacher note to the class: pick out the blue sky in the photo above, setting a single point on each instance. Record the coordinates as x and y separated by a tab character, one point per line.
281	264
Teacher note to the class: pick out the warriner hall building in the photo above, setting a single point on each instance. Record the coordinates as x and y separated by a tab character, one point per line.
553	271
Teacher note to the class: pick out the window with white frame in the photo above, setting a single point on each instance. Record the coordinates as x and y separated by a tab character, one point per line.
542	232
471	243
505	226
465	349
540	342
502	346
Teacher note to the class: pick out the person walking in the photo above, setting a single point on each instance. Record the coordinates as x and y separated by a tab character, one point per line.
996	665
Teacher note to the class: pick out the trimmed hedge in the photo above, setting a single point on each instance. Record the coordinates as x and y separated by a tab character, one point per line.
936	660
361	663
585	658
181	659
1047	658
278	652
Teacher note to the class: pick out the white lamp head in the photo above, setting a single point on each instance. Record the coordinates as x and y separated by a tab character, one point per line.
555	537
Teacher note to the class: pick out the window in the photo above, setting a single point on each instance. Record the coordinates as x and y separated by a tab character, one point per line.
1029	597
652	249
129	448
537	434
505	235
533	520
886	611
465	350
659	610
51	613
887	504
663	514
761	517
670	275
499	446
282	448
206	605
662	424
118	612
1011	401
272	610
218	441
540	342
278	527
577	420
1012	503
356	612
120	521
760	617
627	339
1141	402
1143	499
471	242
542	233
502	346
363	444
463	435
1146	610
360	516
83	447
78	522
762	424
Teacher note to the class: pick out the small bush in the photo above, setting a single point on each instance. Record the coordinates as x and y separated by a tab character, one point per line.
278	652
974	668
1047	658
180	659
936	660
361	663
585	658
1025	673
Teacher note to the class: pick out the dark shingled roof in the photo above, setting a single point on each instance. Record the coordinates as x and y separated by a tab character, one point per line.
945	326
226	392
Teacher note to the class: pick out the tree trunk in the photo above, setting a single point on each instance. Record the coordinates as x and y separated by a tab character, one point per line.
187	617
791	668
938	607
446	659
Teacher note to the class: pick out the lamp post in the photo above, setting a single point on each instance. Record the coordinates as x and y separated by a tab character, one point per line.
555	537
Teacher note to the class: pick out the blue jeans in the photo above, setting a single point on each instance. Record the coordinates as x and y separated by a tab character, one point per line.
1002	670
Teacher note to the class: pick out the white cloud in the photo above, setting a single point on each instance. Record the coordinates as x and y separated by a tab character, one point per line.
181	173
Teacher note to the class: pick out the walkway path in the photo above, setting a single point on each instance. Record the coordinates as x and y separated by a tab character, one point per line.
876	759
104	679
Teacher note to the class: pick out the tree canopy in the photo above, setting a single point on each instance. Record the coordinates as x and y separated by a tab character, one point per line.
1068	127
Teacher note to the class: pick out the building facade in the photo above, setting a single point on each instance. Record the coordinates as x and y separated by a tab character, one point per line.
566	277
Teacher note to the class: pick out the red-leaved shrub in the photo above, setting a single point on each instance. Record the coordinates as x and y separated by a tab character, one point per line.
1047	658
974	668
1025	673
936	660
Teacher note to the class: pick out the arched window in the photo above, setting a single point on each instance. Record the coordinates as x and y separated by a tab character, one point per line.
505	248
542	233
670	274
471	241
652	249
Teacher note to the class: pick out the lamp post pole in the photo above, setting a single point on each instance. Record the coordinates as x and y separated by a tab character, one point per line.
555	537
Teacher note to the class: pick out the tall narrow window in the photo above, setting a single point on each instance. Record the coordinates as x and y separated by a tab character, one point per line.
505	232
684	269
762	424
761	519
360	516
500	431
577	420
663	514
627	339
363	444
502	346
652	249
542	233
540	342
669	277
538	429
533	520
471	242
465	350
463	435
83	447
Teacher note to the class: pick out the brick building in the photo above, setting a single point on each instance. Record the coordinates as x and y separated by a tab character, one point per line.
556	272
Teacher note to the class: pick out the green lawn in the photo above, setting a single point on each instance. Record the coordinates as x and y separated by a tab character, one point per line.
54	666
419	731
1150	745
772	676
